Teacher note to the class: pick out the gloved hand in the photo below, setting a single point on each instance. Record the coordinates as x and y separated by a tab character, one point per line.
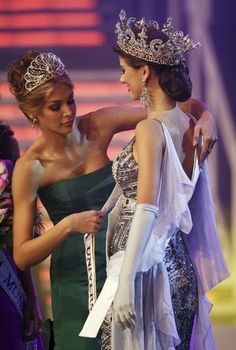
140	230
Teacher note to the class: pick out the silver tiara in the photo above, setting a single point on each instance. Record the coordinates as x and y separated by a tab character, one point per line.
169	52
43	68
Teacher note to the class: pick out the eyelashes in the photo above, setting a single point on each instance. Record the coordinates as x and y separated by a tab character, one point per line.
57	107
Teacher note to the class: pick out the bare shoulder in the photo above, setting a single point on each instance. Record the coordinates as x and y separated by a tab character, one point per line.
27	164
150	130
27	172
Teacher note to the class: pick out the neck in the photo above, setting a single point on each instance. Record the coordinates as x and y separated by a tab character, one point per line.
160	105
57	143
161	102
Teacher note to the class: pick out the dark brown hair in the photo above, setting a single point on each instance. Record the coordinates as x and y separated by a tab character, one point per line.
9	148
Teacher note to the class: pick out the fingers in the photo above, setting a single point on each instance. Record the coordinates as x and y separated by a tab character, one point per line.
98	220
205	150
100	214
204	141
87	221
118	320
94	220
124	319
196	134
202	151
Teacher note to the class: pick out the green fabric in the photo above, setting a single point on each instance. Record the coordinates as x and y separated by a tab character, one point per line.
68	267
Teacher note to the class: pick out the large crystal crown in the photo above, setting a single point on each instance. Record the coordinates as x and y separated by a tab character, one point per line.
170	52
43	68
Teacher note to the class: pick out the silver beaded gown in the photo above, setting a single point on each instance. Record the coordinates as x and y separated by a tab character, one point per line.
182	279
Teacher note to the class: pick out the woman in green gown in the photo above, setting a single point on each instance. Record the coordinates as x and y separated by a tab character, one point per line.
68	267
68	168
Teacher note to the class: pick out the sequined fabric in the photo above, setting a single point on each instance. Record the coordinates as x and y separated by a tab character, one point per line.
183	283
125	172
106	332
183	288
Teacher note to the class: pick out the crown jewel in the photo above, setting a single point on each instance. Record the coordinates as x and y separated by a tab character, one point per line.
169	52
43	68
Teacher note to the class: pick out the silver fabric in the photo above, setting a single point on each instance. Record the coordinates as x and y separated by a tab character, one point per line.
183	284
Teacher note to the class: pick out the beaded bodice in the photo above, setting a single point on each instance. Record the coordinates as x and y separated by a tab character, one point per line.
125	171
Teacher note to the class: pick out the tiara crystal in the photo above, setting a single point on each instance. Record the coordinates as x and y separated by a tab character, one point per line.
43	68
170	52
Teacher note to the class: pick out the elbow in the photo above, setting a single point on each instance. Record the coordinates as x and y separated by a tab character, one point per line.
20	261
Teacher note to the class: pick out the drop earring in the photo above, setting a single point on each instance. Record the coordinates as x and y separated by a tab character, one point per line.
145	97
34	122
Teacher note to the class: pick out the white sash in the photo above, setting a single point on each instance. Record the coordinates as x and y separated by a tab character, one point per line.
89	242
103	303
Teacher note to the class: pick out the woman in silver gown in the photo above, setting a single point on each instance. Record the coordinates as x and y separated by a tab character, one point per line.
156	277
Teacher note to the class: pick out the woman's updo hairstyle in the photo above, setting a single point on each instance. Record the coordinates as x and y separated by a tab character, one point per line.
174	81
31	102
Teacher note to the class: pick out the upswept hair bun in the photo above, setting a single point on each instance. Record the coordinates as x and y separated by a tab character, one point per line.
16	72
176	83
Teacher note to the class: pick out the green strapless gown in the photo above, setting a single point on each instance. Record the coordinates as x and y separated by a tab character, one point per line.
69	282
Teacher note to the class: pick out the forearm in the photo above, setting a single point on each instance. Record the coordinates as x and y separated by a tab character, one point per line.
29	251
35	250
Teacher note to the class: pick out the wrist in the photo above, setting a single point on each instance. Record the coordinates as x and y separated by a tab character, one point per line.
67	225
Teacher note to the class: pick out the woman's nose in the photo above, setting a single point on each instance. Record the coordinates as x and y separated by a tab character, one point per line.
66	111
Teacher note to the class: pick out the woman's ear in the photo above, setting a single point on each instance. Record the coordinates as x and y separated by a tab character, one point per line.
145	72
